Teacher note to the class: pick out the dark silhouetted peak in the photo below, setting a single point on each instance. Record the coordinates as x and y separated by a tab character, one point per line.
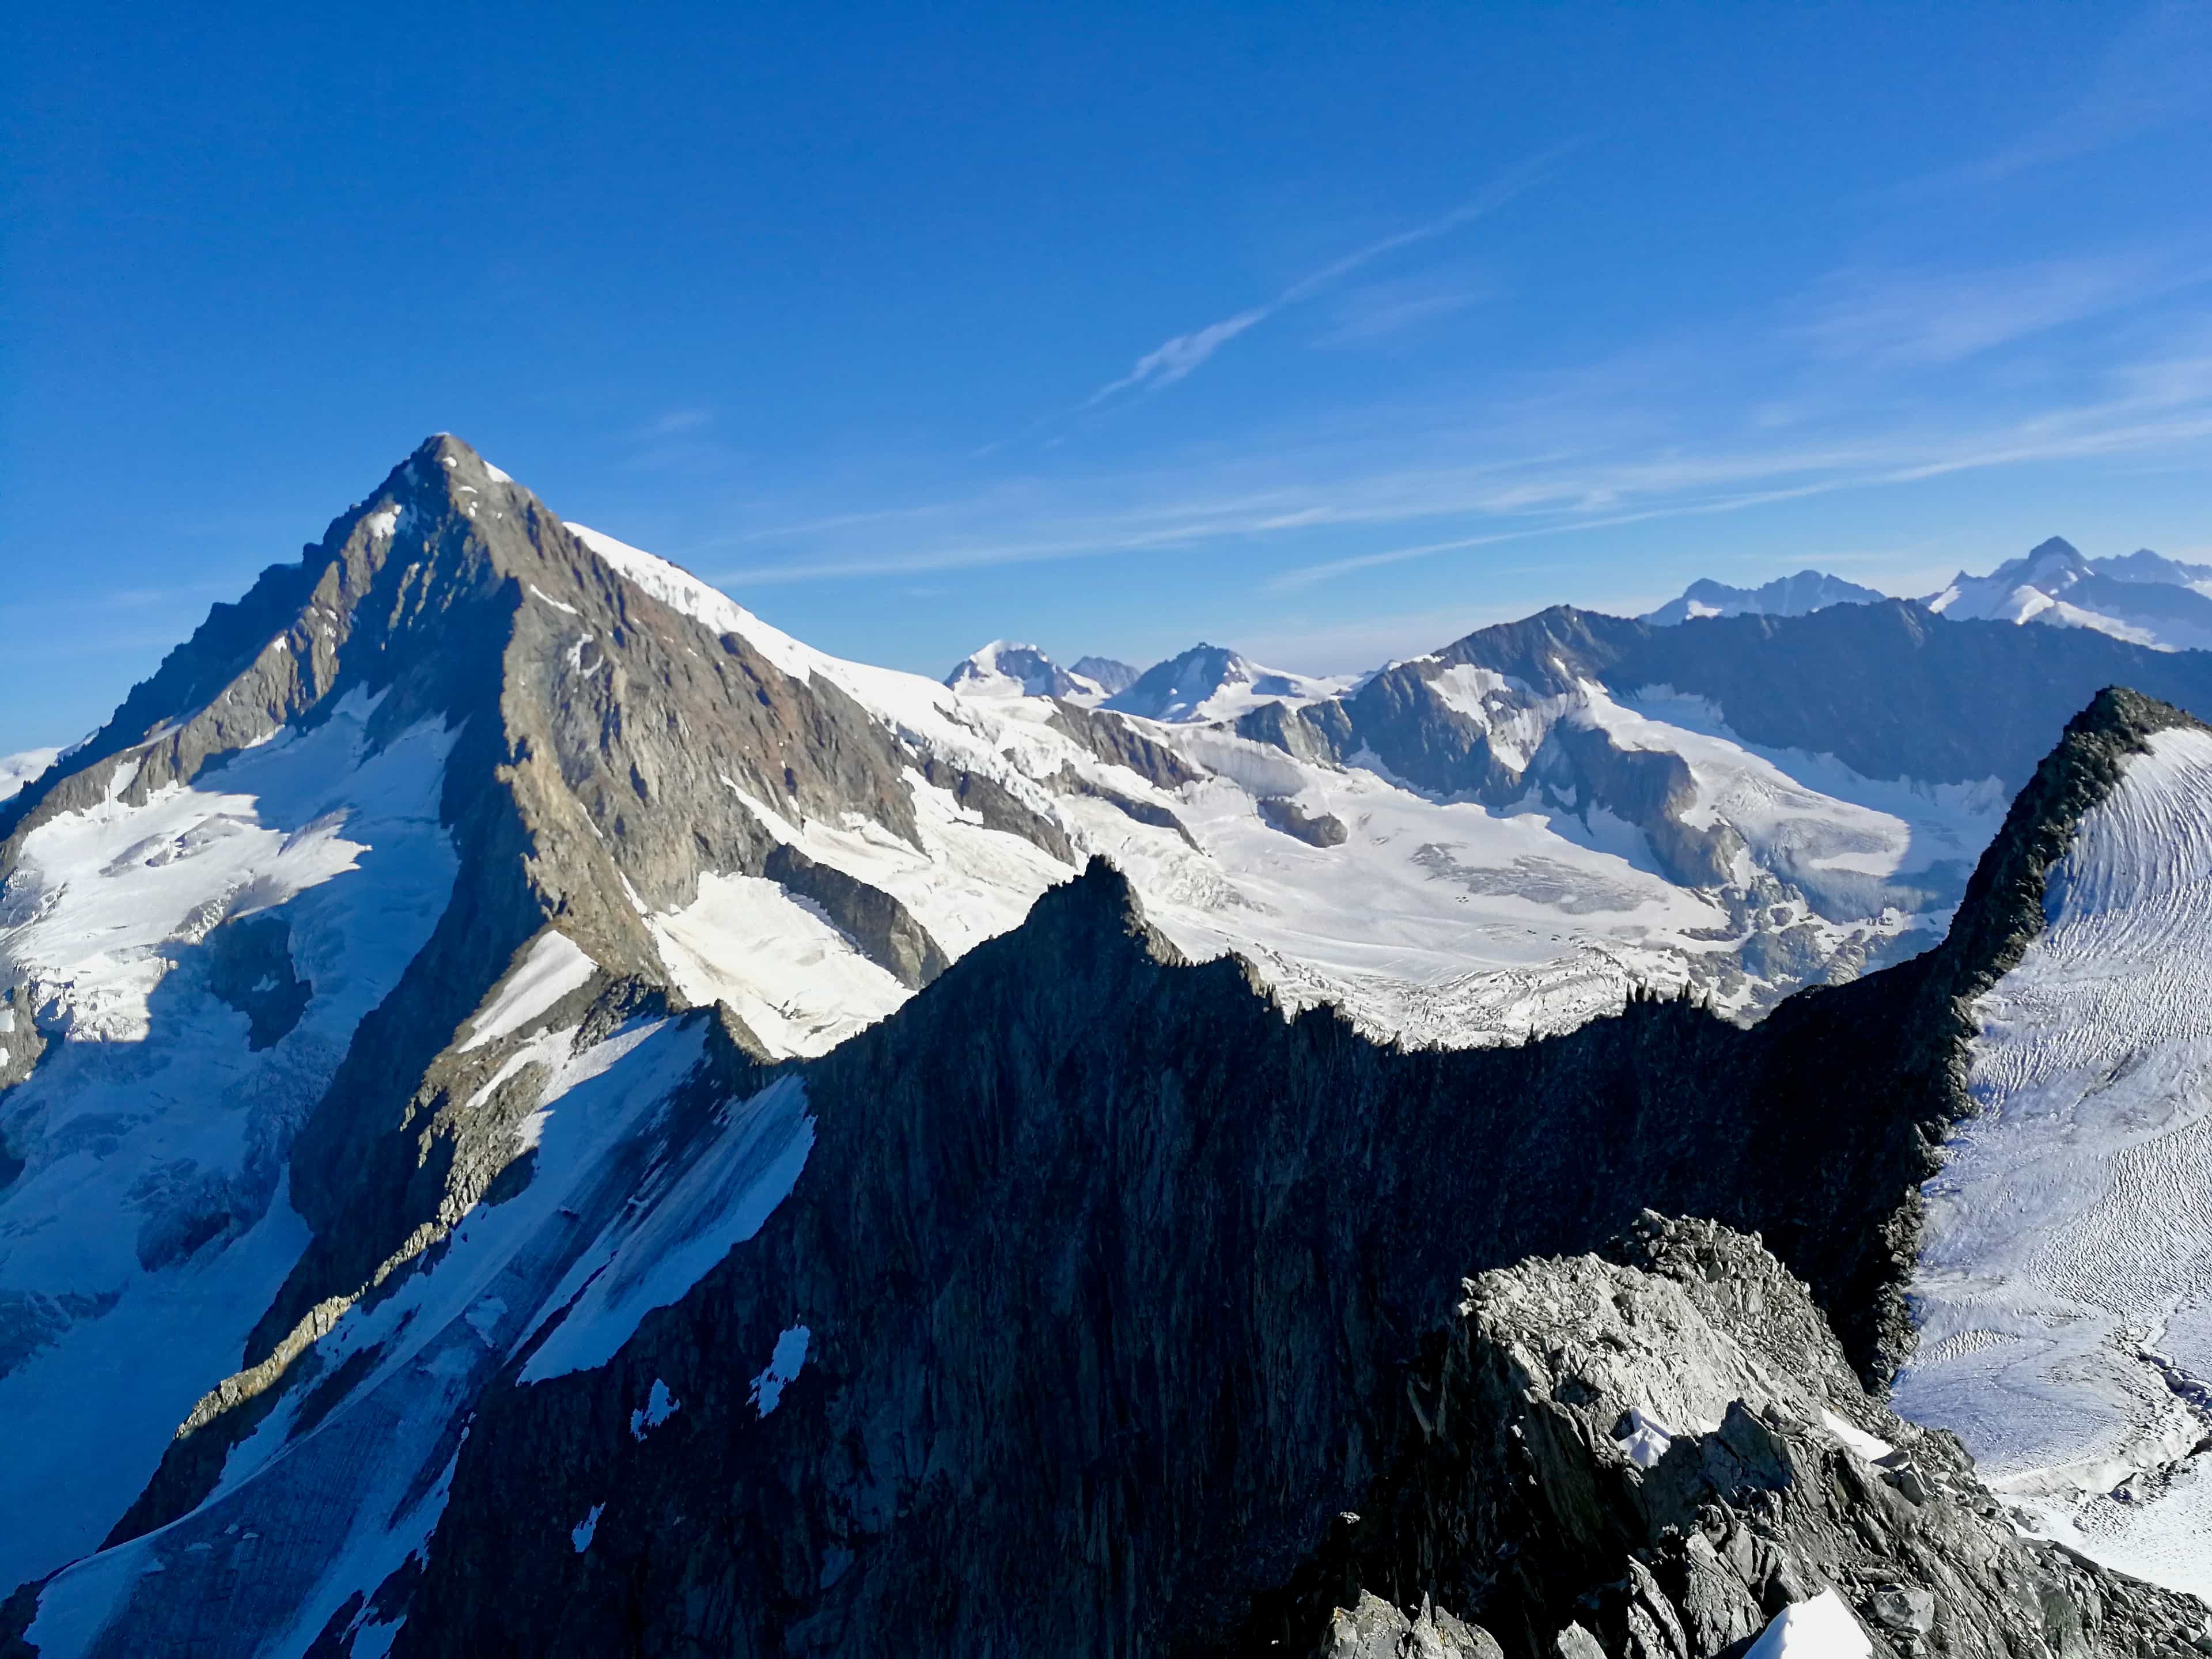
2146	566
1112	674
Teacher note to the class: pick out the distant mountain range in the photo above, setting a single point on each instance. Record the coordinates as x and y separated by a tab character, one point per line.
2142	597
1785	596
540	1112
1206	683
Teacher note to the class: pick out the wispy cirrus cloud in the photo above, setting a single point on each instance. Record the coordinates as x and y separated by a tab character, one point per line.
675	422
2157	74
1383	311
1589	450
1939	318
1170	361
1177	358
1607	499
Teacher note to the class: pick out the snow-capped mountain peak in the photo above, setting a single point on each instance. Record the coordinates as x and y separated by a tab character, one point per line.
1211	683
1008	668
1785	596
2019	589
2141	597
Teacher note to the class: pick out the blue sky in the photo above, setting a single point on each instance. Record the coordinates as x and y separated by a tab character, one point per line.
1328	331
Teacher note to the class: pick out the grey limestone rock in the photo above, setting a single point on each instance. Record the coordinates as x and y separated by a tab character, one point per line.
1522	1500
1373	1629
1315	829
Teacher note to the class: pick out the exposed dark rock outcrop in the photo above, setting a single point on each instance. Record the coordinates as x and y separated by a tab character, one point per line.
1112	737
1666	1449
1888	689
998	807
250	967
881	927
1070	781
1315	829
1373	1629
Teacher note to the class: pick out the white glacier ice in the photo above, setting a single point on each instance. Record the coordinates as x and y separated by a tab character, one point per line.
2065	1282
151	1218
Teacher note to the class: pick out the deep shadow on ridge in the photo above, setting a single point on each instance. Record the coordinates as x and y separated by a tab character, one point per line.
1114	1280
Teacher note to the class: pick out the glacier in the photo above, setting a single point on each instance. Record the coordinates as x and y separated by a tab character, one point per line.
2064	1289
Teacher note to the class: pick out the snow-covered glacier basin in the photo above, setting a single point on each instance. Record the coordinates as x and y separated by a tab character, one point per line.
2065	1282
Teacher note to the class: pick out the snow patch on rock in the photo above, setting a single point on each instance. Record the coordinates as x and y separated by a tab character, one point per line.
719	1200
782	1371
551	968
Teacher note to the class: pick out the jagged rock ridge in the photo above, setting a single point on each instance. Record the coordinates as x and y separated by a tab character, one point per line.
634	749
1104	1287
1657	1449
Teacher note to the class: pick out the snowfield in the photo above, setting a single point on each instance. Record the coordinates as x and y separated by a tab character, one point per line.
151	1218
1433	922
2065	1284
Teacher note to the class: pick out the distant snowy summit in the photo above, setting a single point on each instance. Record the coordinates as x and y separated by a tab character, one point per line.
1205	683
1005	669
2143	598
1785	596
1212	683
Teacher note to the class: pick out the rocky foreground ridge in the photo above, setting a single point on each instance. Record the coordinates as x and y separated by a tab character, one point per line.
1121	1293
1656	1450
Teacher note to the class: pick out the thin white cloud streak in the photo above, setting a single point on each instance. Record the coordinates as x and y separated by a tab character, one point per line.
1175	359
1597	447
1164	365
1563	494
2014	451
1934	320
1944	318
1379	316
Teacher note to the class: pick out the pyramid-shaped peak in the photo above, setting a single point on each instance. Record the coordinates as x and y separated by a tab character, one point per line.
2051	565
443	458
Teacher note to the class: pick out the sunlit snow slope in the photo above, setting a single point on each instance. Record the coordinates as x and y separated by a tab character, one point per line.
1435	921
2142	597
1427	915
2065	1285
